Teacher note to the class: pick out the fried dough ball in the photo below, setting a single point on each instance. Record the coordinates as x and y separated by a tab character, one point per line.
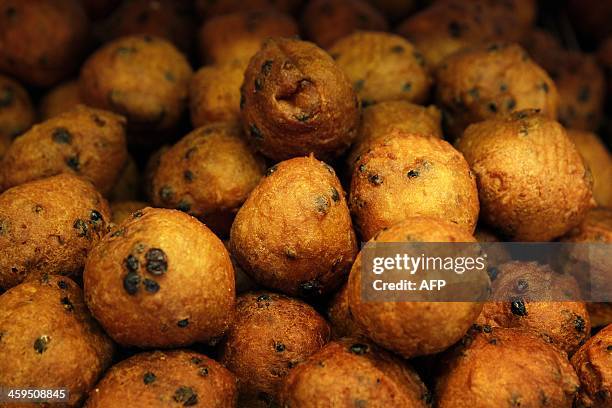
123	210
84	141
208	174
413	328
294	232
353	373
214	94
482	82
449	26
49	226
296	100
593	364
326	21
500	367
408	175
382	67
532	183
566	323
238	36
208	9
162	279
61	98
599	160
143	78
340	318
167	19
165	378
596	227
129	184
270	335
42	42
49	339
16	111
382	119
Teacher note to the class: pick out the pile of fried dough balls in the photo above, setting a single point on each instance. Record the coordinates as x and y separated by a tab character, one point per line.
185	187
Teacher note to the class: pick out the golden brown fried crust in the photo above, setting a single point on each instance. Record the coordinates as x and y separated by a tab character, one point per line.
214	94
296	100
271	334
42	42
482	82
566	323
382	67
596	227
122	210
413	328
599	160
353	373
49	340
506	368
408	175
142	77
208	174
86	142
326	21
61	98
294	232
236	37
163	18
16	111
532	183
142	281
128	186
340	317
380	120
49	226
165	378
593	364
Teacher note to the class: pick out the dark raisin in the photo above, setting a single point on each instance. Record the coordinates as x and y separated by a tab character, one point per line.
311	288
266	67
492	106
41	344
302	116
609	348
290	253
131	282
375	179
321	205
584	93
183	206
62	284
151	286
186	395
98	120
474	93
188	176
335	195
73	162
67	304
503	87
358	348
487	329
454	29
279	347
517	306
362	168
95	217
183	323
10	12
397	49
157	263
544	87
137	214
258	84
359	85
263	298
81	227
148	378
131	263
579	324
413	174
165	193
255	132
62	135
511	104
522	286
406	87
203	371
169	76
